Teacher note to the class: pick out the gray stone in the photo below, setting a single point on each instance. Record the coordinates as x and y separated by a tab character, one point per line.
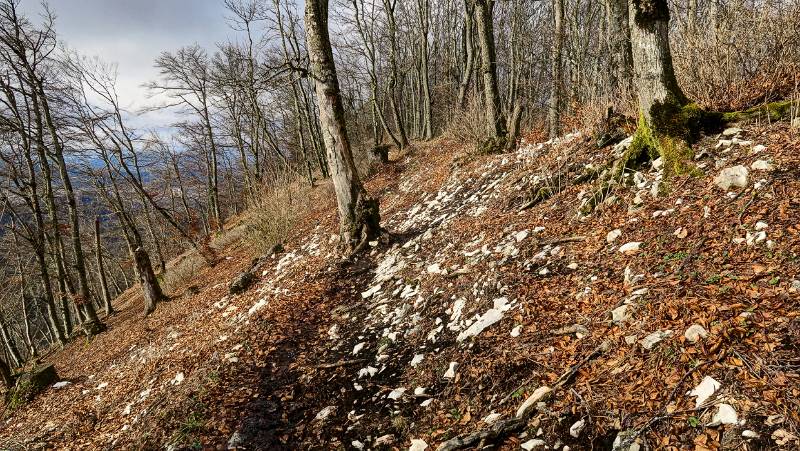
242	282
695	332
733	177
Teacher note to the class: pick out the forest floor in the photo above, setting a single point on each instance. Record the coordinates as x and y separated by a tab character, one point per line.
673	320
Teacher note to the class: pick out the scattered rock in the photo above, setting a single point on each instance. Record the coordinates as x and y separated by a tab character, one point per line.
357	348
451	370
323	414
242	282
732	131
748	434
418	445
576	429
516	331
705	390
725	415
783	437
695	332
762	165
492	418
620	314
537	395
61	384
532	444
177	379
613	235
236	440
396	394
631	248
653	339
384	440
733	177
417	359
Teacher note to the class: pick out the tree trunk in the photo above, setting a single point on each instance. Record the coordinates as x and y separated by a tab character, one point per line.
469	52
151	290
655	81
424	21
620	46
495	123
553	112
359	217
101	269
11	347
5	374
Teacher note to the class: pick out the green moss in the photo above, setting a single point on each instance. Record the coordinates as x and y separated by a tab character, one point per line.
20	395
774	111
492	146
675	153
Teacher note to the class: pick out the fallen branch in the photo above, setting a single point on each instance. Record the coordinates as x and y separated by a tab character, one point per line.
338	364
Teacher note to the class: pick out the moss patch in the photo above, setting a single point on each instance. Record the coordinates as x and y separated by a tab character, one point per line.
774	111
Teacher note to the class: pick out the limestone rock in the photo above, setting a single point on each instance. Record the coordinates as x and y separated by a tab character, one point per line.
537	395
695	332
733	177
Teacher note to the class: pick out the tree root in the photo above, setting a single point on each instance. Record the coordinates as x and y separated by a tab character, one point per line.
553	185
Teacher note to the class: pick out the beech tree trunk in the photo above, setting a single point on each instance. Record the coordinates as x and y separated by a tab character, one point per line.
469	53
359	218
101	269
5	374
652	59
151	290
621	74
495	122
554	112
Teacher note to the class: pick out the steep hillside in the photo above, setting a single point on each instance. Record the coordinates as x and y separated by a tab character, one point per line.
667	318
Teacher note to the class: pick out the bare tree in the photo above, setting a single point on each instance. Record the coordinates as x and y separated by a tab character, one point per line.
359	217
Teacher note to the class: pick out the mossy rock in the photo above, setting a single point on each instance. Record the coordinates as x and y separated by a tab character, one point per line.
31	383
491	146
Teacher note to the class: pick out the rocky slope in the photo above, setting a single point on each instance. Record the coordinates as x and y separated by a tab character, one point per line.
665	319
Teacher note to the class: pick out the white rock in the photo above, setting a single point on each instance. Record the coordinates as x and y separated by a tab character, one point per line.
325	413
653	339
257	306
372	291
695	332
704	390
426	403
177	379
576	429
761	225
434	269
758	148
417	359
516	331
418	445
631	248
535	397
492	418
748	434
397	393
451	370
725	415
368	371
419	391
620	314
572	266
61	384
532	444
521	235
357	444
357	348
384	440
491	316
613	235
732	131
104	385
733	177
762	165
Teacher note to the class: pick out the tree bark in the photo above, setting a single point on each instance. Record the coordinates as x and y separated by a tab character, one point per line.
469	53
424	21
621	73
495	122
151	290
359	218
655	80
101	269
554	107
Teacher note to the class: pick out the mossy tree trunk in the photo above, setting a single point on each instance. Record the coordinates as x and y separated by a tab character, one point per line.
359	218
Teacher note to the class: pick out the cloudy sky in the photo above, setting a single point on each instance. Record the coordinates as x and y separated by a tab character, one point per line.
132	33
